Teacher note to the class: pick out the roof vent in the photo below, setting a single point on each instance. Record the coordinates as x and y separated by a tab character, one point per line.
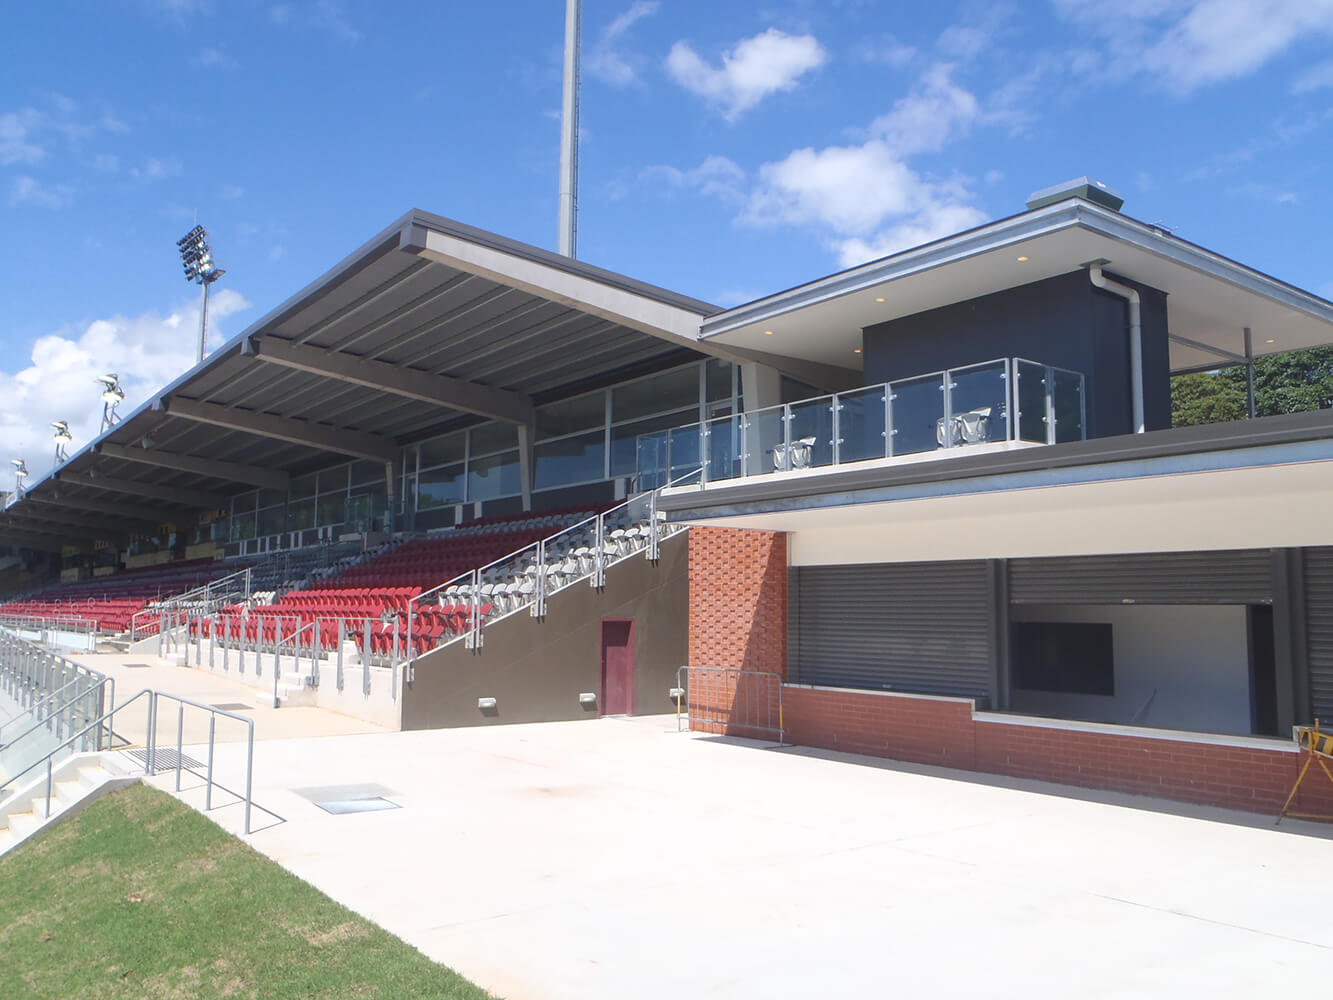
1080	187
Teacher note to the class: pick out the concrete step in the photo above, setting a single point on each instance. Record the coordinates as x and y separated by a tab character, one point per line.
22	824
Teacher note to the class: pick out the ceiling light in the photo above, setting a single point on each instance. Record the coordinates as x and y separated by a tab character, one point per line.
1022	258
856	350
1269	341
880	299
768	333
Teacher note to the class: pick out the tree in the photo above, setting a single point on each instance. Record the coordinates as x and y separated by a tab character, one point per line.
1292	382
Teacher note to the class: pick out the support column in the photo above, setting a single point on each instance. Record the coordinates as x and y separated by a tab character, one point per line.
1249	373
526	432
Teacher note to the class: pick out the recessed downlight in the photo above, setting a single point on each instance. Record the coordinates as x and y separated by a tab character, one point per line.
1022	259
880	299
856	350
1270	341
768	333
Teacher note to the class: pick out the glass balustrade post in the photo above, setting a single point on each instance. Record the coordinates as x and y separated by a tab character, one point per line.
889	429
1049	380
836	409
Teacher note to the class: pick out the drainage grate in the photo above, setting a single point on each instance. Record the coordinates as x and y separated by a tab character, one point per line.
343	807
233	706
166	759
135	666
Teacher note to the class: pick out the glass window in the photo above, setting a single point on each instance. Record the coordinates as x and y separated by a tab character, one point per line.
443	450
496	476
333	479
242	528
571	415
365	473
332	509
624	457
243	503
272	498
671	390
272	520
792	390
492	437
718	380
440	487
570	460
301	515
303	486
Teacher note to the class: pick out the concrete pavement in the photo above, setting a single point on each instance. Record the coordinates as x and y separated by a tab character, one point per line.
619	858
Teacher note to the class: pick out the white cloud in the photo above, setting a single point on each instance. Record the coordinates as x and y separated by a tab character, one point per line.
212	58
605	60
1315	78
155	169
327	16
57	383
768	63
16	140
863	199
1187	44
25	190
935	112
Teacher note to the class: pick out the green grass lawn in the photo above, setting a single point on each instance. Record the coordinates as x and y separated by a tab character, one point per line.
140	896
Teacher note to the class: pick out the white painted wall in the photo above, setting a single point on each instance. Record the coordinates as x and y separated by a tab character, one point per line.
1196	658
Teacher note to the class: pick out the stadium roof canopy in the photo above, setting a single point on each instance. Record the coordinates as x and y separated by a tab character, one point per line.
430	325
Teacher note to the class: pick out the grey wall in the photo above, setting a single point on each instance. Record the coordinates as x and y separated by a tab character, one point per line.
1061	321
1196	659
536	670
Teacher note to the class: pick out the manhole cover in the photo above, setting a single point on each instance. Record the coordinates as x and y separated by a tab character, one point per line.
342	807
233	706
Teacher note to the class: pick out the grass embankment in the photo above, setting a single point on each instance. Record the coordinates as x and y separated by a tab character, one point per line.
140	896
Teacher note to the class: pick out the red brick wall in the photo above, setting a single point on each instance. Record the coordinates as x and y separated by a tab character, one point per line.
944	732
738	599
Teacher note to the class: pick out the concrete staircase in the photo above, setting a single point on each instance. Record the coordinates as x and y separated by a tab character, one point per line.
75	781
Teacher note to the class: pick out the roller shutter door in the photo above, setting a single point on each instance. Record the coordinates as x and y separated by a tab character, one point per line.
918	627
1238	576
1319	629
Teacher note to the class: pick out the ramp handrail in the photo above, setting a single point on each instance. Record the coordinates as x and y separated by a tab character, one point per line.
42	721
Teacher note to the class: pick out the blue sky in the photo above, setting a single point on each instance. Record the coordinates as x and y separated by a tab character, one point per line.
728	150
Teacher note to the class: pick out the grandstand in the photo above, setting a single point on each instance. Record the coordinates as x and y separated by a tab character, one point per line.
404	450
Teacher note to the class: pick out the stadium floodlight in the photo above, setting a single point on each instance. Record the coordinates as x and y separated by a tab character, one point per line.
197	261
63	440
20	474
112	397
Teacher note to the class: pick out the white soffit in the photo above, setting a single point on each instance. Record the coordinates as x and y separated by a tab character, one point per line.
1263	507
1210	301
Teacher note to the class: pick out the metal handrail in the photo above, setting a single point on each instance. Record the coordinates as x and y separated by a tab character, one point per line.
43	721
202	594
79	735
598	571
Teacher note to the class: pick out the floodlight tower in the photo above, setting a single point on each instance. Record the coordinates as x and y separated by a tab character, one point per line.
567	244
20	474
197	260
112	396
63	440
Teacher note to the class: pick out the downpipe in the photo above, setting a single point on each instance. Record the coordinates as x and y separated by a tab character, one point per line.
1099	280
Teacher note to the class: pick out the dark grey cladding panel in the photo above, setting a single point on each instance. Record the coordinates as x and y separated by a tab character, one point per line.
1319	630
923	628
1242	576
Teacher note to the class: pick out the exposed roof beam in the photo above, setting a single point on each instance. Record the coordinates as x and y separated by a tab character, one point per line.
55	527
131	512
214	469
1221	352
201	499
23	540
411	383
324	437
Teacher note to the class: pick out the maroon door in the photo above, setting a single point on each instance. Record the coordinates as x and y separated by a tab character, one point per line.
617	666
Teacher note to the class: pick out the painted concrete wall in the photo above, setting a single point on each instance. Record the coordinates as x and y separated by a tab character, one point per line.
1196	659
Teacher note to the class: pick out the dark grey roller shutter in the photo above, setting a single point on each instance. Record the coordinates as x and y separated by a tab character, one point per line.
1319	629
918	627
1237	576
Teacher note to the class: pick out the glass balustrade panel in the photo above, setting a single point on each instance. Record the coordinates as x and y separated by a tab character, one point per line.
723	452
1067	405
1031	396
811	434
979	412
765	441
861	425
685	452
652	460
918	415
